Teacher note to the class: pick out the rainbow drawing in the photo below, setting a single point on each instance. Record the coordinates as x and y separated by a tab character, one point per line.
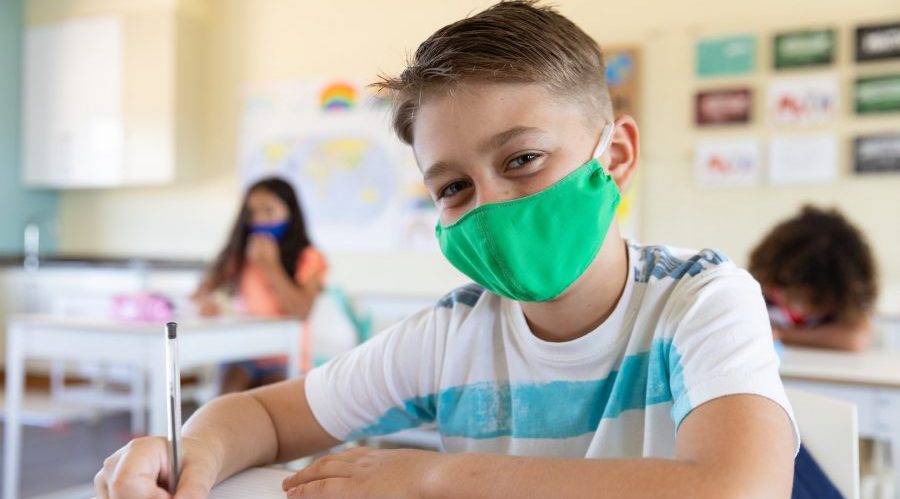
338	96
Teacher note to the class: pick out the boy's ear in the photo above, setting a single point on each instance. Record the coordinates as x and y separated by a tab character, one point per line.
623	151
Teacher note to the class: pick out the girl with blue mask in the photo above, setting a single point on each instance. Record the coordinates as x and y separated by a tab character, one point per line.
270	266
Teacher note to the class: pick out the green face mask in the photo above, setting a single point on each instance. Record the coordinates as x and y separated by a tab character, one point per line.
534	248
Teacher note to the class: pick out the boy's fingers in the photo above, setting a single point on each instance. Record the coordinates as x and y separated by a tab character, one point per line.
100	485
320	470
134	470
320	489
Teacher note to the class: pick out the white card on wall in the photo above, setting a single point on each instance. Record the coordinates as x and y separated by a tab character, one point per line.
807	100
727	163
811	159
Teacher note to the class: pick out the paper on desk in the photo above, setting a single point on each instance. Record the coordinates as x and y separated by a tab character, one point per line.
258	483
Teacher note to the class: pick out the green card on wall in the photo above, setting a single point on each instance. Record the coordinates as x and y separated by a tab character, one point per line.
804	48
878	94
726	56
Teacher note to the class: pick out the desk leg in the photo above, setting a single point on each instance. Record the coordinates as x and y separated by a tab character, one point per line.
138	401
893	419
157	403
293	336
15	385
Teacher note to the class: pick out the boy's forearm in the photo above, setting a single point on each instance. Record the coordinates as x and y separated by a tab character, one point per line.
852	337
239	431
488	476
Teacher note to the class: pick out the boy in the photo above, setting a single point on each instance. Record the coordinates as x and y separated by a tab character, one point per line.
818	278
657	364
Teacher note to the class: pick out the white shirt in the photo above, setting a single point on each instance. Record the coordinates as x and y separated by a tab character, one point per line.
689	327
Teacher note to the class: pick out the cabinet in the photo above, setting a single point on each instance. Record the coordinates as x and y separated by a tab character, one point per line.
109	98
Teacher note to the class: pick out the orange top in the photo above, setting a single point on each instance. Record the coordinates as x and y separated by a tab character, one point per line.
258	296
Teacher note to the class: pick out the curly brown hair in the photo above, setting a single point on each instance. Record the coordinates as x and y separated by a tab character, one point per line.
823	256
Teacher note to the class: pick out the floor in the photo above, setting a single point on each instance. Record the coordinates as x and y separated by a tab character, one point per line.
67	457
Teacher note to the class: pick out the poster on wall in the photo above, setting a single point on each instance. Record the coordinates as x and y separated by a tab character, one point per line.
803	160
878	42
723	107
623	77
807	100
877	153
726	56
727	163
358	184
877	94
804	48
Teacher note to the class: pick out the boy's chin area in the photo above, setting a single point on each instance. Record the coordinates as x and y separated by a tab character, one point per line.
589	301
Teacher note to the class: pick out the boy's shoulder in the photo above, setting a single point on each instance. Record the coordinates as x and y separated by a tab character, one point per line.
467	296
669	263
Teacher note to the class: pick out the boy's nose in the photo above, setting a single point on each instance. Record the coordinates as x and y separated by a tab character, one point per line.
487	194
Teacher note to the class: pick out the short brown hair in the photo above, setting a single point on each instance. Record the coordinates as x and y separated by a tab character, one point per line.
512	41
822	255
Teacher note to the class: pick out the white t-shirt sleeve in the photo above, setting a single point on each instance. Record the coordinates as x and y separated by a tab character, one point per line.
382	386
722	343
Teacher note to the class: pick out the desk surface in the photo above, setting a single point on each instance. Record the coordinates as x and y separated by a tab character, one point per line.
105	324
258	483
877	367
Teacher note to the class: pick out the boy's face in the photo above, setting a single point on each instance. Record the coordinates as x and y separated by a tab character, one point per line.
490	142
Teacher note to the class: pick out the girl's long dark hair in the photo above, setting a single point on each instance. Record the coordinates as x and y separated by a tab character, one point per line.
227	268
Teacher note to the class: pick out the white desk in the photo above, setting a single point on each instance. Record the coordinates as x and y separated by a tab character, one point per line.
200	342
869	379
258	483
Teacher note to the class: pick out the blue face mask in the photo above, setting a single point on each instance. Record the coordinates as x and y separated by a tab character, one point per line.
276	231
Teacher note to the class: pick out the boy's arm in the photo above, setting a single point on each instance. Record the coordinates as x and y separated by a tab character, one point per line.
735	446
269	424
721	452
853	337
227	435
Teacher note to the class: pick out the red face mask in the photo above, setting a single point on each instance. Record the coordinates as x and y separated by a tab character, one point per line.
782	315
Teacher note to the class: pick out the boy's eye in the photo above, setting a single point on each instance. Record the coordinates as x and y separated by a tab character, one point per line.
522	160
452	189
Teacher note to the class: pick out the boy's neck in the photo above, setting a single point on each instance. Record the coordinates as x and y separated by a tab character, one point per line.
589	301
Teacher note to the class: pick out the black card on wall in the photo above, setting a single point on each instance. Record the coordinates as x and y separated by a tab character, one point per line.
877	153
877	42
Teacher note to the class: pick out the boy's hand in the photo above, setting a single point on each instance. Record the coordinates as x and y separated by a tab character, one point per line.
262	251
364	472
140	470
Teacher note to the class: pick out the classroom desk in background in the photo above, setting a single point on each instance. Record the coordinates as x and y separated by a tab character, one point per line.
871	380
138	345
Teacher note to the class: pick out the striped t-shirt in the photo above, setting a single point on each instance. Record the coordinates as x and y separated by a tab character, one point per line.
688	328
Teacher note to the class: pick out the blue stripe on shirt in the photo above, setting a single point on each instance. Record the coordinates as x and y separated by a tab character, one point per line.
552	409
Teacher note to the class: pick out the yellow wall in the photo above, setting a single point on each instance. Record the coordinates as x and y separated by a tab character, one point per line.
268	40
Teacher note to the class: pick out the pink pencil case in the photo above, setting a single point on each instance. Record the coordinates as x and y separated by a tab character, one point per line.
146	307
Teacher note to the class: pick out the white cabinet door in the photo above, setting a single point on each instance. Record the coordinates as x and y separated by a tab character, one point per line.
73	129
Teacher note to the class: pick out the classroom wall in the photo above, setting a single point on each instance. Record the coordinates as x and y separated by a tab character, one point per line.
272	40
18	206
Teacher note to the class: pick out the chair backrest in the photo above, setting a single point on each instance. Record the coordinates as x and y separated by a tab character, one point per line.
829	430
335	325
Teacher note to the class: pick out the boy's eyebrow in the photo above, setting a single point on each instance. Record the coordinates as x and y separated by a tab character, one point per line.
502	138
488	145
434	170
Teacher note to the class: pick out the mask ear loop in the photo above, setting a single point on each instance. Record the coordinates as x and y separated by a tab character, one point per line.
605	139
